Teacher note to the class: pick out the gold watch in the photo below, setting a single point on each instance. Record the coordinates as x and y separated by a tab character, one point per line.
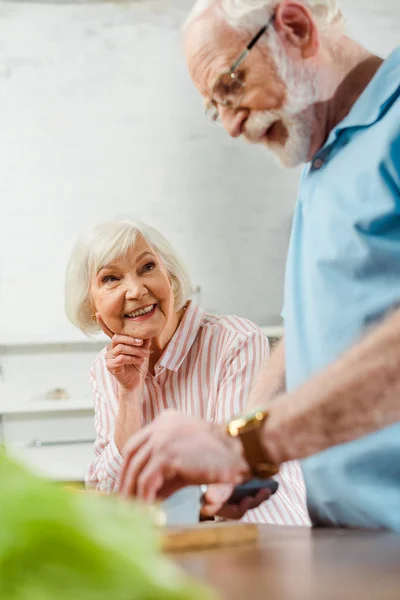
247	428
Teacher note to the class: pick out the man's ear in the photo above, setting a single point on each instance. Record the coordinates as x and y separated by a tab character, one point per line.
295	23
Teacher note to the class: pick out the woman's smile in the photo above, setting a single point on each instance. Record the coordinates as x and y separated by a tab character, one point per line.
142	314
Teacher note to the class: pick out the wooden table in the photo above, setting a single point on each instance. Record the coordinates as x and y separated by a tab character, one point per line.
302	564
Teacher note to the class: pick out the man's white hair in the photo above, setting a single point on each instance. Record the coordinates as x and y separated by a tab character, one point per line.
249	14
102	244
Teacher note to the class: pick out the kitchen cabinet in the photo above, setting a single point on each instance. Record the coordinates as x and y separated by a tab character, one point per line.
53	437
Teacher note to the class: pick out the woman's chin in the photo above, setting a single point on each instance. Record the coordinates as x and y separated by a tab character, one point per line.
143	331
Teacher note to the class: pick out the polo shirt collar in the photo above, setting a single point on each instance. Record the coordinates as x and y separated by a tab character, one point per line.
382	89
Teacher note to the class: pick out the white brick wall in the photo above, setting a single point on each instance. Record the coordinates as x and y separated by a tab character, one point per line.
98	118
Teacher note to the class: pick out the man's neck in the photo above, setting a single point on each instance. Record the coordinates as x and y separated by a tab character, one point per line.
350	71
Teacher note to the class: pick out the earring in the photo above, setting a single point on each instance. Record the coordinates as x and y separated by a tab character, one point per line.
94	317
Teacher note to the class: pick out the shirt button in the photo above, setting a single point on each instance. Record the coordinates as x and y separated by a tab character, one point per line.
318	162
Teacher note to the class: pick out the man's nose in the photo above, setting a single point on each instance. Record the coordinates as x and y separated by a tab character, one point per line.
233	120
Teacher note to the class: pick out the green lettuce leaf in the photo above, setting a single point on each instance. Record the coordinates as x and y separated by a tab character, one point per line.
60	545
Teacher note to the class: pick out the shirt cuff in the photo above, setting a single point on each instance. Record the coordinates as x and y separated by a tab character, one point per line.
113	461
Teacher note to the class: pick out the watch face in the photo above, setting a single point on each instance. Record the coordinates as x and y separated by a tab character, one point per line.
243	422
246	428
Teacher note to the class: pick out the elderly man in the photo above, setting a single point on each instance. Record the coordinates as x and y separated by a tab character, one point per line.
284	74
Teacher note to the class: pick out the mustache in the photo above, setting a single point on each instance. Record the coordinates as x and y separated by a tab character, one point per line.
259	122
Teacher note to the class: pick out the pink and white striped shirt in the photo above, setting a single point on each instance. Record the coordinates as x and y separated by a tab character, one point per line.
206	371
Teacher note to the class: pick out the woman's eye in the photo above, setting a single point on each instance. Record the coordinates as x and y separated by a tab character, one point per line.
149	266
108	279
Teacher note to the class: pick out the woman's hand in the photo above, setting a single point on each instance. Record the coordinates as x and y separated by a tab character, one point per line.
127	358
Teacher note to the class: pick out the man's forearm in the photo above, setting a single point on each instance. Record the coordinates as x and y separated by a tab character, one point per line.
356	395
270	380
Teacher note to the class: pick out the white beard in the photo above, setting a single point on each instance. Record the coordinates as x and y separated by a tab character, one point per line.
297	114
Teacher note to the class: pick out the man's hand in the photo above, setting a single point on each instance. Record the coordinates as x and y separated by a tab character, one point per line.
176	450
217	495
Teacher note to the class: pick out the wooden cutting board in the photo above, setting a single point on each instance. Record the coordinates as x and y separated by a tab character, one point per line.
203	535
208	535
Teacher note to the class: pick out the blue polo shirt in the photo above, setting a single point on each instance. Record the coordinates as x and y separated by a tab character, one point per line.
343	276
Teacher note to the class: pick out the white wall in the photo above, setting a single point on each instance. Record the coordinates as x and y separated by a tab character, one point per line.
98	118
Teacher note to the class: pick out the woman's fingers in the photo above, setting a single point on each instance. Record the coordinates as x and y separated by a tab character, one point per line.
118	339
115	351
127	340
124	360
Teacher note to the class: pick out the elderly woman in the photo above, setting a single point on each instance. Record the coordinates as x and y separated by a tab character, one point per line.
165	353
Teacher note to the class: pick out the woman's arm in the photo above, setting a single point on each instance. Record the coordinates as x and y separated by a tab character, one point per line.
241	364
111	432
118	379
129	416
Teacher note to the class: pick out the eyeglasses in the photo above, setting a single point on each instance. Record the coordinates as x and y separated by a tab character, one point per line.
228	90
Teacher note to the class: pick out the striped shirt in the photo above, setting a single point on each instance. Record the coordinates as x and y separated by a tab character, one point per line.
205	371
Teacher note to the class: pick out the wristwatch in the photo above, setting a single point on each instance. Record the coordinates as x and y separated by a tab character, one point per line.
247	428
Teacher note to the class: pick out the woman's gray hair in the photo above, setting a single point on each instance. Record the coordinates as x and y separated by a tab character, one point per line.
102	244
249	14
